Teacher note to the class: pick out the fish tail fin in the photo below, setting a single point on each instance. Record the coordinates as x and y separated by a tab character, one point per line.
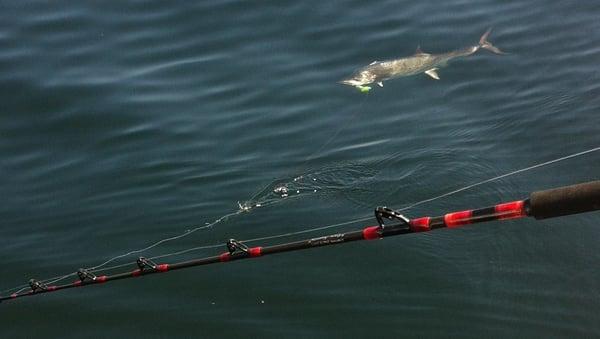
484	43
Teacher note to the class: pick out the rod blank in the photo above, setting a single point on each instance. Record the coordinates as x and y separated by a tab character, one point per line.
542	204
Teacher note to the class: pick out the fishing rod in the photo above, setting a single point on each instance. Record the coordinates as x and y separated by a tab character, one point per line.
550	203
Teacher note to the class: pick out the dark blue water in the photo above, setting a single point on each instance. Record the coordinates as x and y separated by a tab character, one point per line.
123	123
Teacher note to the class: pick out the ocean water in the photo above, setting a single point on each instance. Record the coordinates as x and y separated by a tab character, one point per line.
124	123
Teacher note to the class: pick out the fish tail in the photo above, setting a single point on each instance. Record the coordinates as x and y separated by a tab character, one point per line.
484	43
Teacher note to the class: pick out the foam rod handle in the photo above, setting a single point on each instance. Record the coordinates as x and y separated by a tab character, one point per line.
565	200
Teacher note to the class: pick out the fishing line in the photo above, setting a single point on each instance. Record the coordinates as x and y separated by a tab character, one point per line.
410	206
339	130
245	207
242	208
162	241
250	203
289	234
220	245
502	176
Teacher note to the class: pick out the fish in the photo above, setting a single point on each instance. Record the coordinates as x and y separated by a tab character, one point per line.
421	62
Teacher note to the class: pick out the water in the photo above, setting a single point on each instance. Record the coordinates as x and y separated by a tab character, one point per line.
125	123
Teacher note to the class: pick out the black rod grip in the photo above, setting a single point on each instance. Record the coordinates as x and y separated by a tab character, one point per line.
565	200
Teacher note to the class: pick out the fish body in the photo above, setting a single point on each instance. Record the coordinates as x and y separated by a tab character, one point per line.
420	62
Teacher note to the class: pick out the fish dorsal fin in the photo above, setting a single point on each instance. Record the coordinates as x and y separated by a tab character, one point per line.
419	51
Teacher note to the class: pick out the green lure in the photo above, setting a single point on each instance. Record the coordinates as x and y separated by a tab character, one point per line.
363	89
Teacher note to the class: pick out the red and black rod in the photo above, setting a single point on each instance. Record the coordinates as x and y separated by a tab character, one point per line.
540	205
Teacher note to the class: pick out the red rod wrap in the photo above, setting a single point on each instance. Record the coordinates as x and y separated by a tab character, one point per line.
371	232
458	218
225	257
511	210
420	224
255	252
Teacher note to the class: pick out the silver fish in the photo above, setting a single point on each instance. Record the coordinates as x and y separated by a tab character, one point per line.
420	62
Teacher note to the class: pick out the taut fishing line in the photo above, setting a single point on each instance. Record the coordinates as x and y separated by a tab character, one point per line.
278	188
243	207
101	267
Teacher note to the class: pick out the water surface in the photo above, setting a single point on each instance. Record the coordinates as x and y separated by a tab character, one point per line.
125	123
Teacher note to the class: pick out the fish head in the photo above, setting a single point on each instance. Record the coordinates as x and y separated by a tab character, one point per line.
361	78
352	82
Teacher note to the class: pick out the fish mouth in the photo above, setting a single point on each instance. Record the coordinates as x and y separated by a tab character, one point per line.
351	82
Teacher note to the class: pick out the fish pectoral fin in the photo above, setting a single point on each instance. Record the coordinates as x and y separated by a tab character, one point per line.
373	63
432	73
380	84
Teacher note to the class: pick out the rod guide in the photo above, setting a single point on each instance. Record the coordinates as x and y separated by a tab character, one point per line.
382	212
